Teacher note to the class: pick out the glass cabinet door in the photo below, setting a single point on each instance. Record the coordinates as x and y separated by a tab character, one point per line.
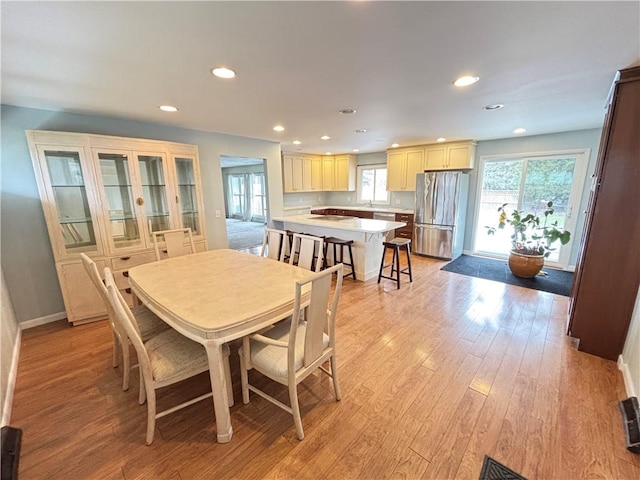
118	188
154	192
68	186
187	194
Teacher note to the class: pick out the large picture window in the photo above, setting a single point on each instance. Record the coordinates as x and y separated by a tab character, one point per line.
372	185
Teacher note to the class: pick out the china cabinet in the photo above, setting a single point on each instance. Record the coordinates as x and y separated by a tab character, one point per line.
104	196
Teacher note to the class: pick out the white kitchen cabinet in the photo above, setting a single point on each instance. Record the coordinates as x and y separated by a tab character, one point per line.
402	167
328	173
104	196
450	156
345	172
302	173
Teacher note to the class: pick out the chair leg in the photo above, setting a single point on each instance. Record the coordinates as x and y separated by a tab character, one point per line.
353	265
295	409
409	263
142	397
396	258
334	375
244	377
384	253
151	415
116	349
126	364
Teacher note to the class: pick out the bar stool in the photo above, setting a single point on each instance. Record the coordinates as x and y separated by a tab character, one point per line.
338	242
395	245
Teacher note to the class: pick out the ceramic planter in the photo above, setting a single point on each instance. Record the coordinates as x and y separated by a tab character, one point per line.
525	266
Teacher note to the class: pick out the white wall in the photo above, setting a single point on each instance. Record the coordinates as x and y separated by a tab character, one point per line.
9	348
629	361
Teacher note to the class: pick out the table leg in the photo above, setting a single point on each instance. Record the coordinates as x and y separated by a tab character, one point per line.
219	388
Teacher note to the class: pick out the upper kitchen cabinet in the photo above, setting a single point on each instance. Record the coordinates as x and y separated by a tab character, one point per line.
402	167
345	167
104	196
450	156
302	173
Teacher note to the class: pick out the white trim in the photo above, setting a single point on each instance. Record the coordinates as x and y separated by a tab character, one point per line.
35	322
11	381
626	375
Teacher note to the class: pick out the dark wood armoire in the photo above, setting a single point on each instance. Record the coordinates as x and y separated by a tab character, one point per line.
608	267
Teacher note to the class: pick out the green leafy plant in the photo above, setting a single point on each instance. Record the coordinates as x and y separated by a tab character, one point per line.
531	236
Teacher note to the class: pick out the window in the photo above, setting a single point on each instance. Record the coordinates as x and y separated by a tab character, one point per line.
372	185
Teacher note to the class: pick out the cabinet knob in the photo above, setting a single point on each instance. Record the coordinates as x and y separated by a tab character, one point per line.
125	273
140	201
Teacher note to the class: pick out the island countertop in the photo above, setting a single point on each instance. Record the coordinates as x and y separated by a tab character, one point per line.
339	222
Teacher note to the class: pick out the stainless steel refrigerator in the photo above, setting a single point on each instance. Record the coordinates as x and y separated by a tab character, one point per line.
440	211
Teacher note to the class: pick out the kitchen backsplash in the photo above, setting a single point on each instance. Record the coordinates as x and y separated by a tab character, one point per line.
315	199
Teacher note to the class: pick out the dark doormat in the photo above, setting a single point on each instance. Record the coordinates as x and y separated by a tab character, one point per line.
492	470
555	281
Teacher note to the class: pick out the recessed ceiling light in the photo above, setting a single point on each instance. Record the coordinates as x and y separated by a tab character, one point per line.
395	145
325	137
519	130
465	81
493	106
361	130
297	142
355	150
223	72
279	128
168	108
441	139
347	111
327	153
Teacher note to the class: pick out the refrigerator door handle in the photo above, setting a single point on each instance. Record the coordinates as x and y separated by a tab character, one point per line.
434	200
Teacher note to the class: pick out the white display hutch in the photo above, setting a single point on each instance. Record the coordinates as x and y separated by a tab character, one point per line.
104	196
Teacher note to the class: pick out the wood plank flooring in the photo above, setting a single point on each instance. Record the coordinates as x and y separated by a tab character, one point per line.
434	376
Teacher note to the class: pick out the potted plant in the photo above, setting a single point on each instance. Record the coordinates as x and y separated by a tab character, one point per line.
532	239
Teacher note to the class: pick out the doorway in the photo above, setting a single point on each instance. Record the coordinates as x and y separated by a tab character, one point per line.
528	182
246	201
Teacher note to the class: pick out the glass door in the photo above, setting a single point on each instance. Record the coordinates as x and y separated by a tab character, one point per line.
258	198
187	194
71	200
154	191
118	187
528	183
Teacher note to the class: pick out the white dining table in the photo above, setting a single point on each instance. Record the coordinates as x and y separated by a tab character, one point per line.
214	297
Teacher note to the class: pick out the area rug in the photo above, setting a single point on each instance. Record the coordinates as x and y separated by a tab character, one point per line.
555	281
492	470
241	235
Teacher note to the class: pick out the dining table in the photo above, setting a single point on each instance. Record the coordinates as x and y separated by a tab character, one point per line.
214	297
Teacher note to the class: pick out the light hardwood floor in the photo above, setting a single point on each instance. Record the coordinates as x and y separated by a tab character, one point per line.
434	376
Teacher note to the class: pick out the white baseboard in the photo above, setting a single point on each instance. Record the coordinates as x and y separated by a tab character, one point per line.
54	317
11	381
626	375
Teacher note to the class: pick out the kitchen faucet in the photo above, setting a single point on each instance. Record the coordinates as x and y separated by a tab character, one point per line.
369	203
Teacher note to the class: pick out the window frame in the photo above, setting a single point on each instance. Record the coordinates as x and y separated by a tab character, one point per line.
359	192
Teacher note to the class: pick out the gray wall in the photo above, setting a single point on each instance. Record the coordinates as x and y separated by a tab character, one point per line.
27	259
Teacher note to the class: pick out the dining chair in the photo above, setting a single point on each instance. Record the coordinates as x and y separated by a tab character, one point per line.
306	251
174	242
148	323
295	348
165	359
274	244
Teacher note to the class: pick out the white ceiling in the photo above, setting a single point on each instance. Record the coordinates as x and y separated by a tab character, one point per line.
298	63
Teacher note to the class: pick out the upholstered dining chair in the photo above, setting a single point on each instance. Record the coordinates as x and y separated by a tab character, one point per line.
295	348
165	359
174	242
148	323
306	251
274	244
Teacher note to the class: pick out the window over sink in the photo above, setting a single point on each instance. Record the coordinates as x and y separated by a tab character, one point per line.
372	185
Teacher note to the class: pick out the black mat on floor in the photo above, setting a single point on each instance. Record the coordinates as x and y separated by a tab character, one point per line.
555	281
492	470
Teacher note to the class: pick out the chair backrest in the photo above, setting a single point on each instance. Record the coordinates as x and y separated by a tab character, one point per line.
125	318
274	244
320	315
92	270
307	252
174	242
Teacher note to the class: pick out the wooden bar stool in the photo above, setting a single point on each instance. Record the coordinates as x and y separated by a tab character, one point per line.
395	245
338	242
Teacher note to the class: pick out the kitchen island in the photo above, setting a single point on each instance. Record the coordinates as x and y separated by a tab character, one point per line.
367	234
